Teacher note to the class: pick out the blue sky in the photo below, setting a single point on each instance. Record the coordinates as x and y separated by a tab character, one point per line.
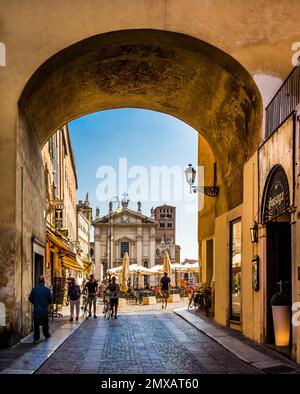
147	142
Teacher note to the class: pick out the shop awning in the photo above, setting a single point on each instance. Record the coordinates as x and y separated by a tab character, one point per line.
71	263
87	265
70	258
58	242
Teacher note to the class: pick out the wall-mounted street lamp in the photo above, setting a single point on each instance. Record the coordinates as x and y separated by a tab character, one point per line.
190	175
254	233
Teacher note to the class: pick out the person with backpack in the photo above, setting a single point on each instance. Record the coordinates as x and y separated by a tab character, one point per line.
74	294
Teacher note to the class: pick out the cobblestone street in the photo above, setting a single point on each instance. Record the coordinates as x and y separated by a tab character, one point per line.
138	343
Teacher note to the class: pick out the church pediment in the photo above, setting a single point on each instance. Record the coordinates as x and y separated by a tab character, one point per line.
124	238
125	217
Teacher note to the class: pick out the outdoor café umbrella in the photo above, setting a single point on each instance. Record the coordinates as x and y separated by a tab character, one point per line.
194	267
156	270
125	273
140	270
167	263
114	270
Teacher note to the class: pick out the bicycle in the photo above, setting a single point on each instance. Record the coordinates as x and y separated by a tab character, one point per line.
207	301
107	309
196	300
201	300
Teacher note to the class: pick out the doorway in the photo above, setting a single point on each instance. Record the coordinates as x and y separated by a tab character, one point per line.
279	268
38	267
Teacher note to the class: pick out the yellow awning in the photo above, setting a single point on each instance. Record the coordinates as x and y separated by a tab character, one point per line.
71	260
71	263
58	242
87	264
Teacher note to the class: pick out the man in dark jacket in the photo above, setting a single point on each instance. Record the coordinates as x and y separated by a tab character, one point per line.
40	297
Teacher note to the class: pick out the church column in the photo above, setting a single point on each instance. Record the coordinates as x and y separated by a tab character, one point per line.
131	254
117	250
139	239
152	250
100	277
98	263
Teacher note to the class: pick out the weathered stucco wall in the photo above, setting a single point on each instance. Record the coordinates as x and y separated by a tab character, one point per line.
221	271
206	216
30	189
252	311
278	149
156	70
222	239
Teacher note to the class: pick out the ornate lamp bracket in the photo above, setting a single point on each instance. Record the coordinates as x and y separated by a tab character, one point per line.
210	191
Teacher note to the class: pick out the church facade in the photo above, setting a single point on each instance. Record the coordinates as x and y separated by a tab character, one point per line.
120	231
125	230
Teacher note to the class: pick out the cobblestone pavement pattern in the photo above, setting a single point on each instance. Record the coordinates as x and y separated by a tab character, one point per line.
142	344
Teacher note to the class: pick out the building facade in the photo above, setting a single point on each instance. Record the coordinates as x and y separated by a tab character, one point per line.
68	225
165	216
61	182
252	252
60	213
83	226
123	231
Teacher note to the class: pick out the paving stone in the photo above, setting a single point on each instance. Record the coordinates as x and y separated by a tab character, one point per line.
252	353
142	343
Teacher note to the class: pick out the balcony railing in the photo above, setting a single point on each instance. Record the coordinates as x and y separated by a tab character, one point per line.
284	102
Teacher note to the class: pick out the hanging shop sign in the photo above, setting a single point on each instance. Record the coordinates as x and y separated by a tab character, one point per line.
276	200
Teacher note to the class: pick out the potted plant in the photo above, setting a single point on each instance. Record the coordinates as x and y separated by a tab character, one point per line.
281	318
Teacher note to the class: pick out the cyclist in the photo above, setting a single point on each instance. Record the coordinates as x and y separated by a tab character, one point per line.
114	290
91	286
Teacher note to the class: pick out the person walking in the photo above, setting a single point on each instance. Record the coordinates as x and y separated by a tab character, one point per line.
74	294
114	290
165	286
41	298
91	286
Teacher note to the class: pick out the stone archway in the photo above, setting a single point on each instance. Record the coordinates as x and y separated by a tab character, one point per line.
163	71
151	69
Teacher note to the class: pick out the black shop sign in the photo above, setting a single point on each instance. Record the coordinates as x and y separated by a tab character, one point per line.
276	199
